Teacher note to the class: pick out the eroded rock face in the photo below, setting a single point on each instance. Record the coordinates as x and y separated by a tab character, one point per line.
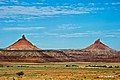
98	46
57	56
22	44
24	51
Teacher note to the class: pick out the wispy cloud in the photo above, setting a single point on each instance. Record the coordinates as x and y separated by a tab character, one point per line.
68	35
48	10
32	34
8	21
68	27
85	34
24	9
117	3
22	28
110	36
98	34
22	2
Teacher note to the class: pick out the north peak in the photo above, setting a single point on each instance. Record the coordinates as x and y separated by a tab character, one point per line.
23	37
97	41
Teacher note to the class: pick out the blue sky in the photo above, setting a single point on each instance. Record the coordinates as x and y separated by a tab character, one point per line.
60	23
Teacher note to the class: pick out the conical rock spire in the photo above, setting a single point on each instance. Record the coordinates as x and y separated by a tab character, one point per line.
22	44
97	41
23	37
98	46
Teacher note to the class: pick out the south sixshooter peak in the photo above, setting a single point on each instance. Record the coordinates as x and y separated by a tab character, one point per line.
98	46
22	44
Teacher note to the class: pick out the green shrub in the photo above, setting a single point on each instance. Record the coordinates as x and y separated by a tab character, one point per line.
20	74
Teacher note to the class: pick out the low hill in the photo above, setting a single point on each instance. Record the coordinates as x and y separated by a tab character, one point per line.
57	56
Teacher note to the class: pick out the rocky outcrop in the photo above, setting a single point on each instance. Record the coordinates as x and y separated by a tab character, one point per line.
98	46
33	56
56	56
22	44
97	52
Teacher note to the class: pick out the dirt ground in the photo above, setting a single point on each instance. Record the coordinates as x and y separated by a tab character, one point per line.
60	71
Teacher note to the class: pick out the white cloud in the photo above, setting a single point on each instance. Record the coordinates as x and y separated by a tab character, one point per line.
22	28
36	35
92	4
45	11
21	2
110	33
48	10
117	3
8	21
68	27
98	34
110	36
15	1
72	35
67	35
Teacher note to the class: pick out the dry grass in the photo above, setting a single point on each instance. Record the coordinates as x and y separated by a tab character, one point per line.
59	71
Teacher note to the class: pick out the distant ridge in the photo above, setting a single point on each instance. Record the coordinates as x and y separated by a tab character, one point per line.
22	44
98	46
25	51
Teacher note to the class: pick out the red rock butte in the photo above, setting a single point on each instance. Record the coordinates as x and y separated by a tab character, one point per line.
22	44
98	46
